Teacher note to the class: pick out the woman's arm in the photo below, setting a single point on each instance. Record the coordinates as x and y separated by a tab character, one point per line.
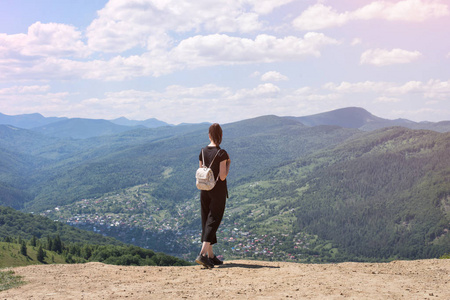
224	169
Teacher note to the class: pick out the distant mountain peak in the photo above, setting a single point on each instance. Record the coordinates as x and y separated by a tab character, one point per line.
149	123
349	117
27	121
120	119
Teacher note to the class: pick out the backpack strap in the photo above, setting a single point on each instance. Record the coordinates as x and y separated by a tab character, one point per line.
203	158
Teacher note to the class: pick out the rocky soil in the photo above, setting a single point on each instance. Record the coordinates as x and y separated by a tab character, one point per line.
420	279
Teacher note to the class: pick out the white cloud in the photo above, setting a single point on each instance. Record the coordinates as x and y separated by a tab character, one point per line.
221	103
265	89
145	39
193	52
266	6
303	90
408	87
44	40
30	99
24	89
220	49
218	104
356	41
273	76
136	104
125	24
382	57
432	89
43	53
406	10
437	90
319	16
47	68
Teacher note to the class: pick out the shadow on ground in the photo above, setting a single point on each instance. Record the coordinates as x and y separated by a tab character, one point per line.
246	266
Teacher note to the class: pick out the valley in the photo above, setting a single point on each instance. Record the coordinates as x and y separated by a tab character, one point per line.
318	193
132	216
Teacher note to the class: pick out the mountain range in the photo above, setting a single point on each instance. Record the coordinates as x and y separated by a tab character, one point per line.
79	128
355	117
322	187
76	128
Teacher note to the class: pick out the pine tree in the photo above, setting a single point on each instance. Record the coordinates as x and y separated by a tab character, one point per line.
23	249
33	241
57	245
49	243
87	252
40	254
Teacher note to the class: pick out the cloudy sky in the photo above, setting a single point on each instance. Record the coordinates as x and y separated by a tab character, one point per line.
224	60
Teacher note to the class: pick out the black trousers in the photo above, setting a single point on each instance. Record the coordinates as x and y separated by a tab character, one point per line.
212	209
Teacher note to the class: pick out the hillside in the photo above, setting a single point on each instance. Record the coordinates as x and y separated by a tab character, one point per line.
97	166
298	193
421	279
14	223
10	256
382	195
369	197
61	243
78	128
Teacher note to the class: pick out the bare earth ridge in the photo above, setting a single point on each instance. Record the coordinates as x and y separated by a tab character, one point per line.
240	279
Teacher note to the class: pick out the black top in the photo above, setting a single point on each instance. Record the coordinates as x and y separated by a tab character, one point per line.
209	153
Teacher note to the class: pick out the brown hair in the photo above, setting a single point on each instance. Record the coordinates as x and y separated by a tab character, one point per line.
215	132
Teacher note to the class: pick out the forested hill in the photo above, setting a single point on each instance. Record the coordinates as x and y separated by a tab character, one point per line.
34	235
385	194
18	224
57	172
381	194
357	117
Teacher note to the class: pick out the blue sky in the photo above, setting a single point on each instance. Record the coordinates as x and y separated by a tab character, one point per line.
191	61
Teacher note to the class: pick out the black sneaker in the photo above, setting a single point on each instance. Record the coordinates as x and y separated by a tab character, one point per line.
204	261
216	261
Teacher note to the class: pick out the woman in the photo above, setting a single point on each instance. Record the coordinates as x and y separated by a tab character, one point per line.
213	201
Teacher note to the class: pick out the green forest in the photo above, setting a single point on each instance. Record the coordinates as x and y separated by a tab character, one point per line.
20	252
384	196
297	193
30	239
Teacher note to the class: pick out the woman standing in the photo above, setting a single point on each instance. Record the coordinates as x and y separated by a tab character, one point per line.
213	201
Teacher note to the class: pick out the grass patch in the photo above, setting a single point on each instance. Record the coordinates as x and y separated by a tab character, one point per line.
10	256
8	280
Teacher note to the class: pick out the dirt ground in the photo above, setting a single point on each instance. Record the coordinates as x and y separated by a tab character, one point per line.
242	279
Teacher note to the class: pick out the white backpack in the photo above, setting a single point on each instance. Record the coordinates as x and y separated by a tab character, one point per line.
205	177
